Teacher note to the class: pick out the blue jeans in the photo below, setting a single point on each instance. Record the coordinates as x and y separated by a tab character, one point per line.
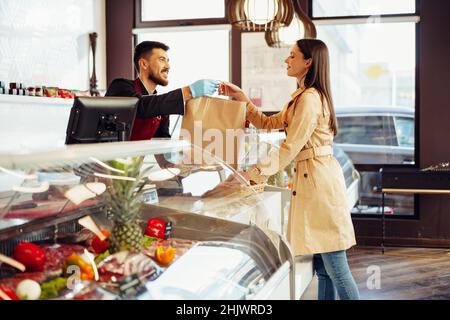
333	273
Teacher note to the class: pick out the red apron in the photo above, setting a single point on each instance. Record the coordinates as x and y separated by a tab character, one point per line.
144	128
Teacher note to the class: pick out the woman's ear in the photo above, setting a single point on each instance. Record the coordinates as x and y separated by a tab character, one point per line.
308	62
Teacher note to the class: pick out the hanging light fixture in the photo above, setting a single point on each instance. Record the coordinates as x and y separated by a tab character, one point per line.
285	36
300	27
260	15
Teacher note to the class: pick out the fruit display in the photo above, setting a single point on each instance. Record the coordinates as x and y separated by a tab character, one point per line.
128	246
164	256
51	268
180	246
125	199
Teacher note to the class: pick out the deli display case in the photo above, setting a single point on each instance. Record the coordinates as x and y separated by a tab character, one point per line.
137	220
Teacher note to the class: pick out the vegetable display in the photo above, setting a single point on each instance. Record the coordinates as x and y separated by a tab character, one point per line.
30	255
51	289
100	246
147	241
28	290
9	293
101	257
86	270
155	228
164	256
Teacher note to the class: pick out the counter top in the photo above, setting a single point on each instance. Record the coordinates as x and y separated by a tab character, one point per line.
12	99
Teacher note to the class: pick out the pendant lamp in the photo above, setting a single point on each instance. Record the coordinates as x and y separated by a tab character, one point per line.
260	15
300	27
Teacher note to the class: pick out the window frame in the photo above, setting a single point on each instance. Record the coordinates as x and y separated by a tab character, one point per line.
139	23
381	18
235	41
396	15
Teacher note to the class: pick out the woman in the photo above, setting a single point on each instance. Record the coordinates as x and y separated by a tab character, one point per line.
319	218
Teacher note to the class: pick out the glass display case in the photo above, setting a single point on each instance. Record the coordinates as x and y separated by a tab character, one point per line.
137	220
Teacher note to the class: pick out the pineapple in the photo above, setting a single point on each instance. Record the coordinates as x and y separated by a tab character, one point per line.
124	199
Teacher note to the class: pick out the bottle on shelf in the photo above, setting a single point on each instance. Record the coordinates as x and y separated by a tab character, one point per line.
17	89
2	87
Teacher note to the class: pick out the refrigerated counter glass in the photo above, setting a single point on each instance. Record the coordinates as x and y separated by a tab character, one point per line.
192	230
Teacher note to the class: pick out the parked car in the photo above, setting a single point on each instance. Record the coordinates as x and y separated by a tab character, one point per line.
377	135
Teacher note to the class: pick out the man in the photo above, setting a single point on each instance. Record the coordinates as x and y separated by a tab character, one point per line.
152	64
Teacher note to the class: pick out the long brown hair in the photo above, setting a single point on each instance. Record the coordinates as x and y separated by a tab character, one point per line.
318	75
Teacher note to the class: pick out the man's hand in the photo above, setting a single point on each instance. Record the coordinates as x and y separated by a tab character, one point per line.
203	87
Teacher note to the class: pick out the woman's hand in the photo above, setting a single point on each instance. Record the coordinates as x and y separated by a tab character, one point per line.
231	90
237	178
246	176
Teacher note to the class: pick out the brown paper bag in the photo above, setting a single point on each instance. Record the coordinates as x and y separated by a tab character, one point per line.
217	126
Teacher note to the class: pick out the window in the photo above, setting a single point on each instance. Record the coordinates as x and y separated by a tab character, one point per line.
369	66
372	46
264	77
156	10
191	57
405	131
369	130
330	8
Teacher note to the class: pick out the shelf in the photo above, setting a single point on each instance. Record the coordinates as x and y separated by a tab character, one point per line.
11	99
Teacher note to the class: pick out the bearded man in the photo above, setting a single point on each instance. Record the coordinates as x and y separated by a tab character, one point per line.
152	64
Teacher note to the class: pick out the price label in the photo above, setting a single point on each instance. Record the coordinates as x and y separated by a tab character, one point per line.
131	286
168	230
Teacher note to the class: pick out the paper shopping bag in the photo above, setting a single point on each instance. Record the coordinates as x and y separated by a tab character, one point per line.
217	127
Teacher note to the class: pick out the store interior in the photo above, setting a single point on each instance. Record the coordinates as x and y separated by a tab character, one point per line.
388	70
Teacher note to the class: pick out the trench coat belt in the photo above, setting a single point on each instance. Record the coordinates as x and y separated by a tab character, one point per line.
314	152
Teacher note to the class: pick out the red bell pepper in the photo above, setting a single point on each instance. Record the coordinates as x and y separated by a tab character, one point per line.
155	228
9	292
31	255
100	246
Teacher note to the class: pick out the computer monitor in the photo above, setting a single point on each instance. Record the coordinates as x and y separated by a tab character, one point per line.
101	119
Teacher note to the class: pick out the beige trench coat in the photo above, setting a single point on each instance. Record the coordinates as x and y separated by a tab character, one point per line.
319	218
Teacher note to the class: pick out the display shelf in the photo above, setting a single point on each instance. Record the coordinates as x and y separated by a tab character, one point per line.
27	100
